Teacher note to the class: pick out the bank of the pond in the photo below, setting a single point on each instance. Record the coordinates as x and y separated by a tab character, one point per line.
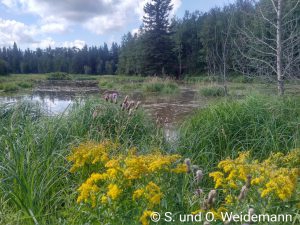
126	168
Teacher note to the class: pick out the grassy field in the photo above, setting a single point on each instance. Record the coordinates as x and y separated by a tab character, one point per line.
99	164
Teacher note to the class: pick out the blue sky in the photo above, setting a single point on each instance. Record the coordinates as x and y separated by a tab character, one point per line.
68	23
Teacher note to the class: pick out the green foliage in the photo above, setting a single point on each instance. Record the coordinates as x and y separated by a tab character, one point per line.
160	86
25	84
10	87
36	186
212	91
59	76
258	123
3	67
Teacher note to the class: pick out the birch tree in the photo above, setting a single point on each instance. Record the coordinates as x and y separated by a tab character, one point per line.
271	43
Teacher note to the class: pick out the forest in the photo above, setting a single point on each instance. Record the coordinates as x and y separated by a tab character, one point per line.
248	37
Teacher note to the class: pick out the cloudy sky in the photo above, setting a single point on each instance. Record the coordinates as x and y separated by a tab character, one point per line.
68	23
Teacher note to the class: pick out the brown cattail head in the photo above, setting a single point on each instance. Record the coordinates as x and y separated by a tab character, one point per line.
188	163
95	114
243	193
194	168
137	105
199	175
126	98
248	182
251	213
211	197
106	97
130	112
199	192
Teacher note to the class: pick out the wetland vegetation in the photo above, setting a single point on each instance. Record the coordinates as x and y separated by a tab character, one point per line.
192	120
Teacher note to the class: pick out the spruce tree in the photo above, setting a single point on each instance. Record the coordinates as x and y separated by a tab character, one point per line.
157	44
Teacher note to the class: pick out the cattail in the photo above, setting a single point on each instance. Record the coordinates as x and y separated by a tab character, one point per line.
199	192
115	98
130	112
106	97
251	213
137	105
199	175
248	182
194	168
211	197
187	161
243	193
95	114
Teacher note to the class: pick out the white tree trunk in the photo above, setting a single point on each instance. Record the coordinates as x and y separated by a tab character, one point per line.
280	81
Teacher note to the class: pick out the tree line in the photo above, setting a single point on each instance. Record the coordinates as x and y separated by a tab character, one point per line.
88	60
250	37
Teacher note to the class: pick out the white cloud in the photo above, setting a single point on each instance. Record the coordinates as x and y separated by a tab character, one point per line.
77	43
44	43
98	16
60	16
13	31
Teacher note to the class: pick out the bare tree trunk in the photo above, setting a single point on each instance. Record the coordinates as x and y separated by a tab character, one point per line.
280	82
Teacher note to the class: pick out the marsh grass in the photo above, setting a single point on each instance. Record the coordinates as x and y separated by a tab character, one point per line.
213	91
158	85
36	186
258	123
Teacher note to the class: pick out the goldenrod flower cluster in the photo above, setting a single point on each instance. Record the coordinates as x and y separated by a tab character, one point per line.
275	177
123	175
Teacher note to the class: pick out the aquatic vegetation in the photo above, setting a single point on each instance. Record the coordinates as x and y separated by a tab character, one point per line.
123	178
213	91
157	85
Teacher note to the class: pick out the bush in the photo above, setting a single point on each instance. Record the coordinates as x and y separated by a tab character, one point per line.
59	76
258	123
212	91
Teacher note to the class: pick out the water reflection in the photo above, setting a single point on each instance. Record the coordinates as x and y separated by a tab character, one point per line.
167	110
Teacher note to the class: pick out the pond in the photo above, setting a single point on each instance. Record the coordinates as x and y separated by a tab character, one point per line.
167	110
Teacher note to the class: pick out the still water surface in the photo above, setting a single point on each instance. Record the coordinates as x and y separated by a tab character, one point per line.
169	110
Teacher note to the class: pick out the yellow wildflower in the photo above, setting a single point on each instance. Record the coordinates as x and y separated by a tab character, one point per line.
144	218
138	193
180	168
113	191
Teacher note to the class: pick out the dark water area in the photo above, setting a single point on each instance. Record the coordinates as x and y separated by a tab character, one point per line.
167	110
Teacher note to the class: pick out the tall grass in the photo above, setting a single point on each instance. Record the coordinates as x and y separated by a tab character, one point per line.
36	186
258	123
157	85
213	91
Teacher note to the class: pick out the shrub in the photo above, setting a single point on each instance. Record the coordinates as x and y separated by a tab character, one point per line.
212	91
260	123
59	76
